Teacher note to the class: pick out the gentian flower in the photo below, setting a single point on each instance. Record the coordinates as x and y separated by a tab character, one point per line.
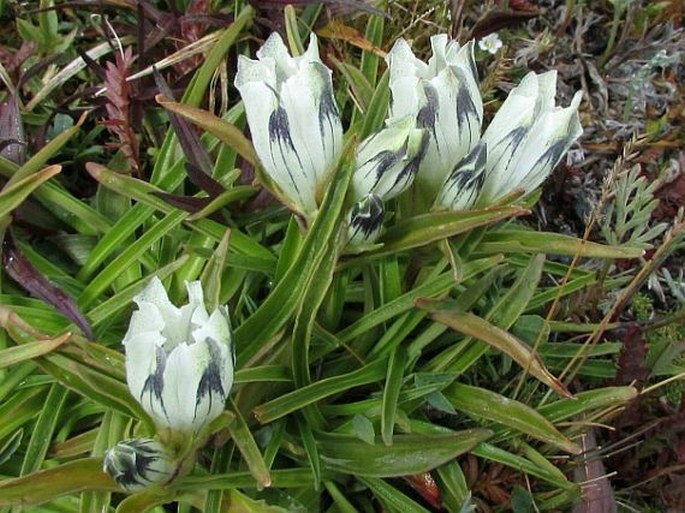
527	137
365	222
388	160
179	361
293	118
443	96
387	163
139	463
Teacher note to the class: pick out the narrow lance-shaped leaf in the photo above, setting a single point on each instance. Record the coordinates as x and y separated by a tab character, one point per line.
423	229
13	355
478	328
199	161
47	152
47	485
14	194
524	241
226	132
408	455
25	274
248	448
485	404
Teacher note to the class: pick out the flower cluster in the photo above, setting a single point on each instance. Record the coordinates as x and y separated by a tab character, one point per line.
179	367
432	140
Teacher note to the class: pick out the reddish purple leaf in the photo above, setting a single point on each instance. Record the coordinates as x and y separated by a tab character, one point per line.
199	161
187	203
12	142
22	271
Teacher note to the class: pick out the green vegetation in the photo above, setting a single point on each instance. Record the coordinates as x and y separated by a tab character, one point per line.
516	351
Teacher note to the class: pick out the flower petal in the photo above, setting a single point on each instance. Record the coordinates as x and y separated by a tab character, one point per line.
462	187
315	126
444	97
550	138
142	362
138	463
387	161
506	132
181	379
365	221
293	118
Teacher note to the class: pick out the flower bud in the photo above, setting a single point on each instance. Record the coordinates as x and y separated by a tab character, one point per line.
444	98
365	222
463	185
293	118
388	160
179	361
528	136
138	463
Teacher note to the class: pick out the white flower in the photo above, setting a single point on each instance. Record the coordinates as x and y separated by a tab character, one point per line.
139	463
444	98
179	361
490	43
463	185
293	118
365	222
528	136
388	160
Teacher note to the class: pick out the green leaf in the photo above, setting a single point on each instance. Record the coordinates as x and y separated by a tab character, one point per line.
211	274
44	429
47	485
321	389
375	115
517	241
23	352
520	463
485	404
406	302
10	446
392	497
62	204
310	449
391	393
423	229
409	454
363	428
290	478
292	32
370	59
223	130
281	304
14	195
243	439
362	91
50	150
476	327
598	399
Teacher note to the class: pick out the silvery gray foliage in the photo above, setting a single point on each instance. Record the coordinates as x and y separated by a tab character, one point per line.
179	361
139	463
293	118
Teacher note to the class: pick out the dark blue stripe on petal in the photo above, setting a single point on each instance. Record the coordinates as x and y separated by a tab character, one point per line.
154	384
210	382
